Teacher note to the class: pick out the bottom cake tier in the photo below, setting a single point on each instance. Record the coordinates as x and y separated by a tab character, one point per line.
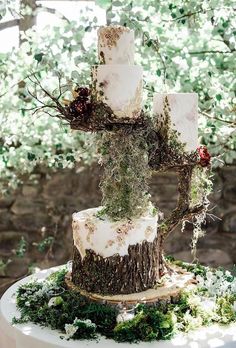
115	257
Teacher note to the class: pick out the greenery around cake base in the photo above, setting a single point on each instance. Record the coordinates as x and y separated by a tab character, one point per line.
50	304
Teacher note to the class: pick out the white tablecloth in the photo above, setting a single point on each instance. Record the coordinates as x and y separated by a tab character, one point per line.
32	336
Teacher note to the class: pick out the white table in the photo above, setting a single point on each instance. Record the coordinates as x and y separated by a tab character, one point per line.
32	336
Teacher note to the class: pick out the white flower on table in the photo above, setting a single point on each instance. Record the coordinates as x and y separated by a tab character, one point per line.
219	273
234	306
217	283
70	330
125	315
55	301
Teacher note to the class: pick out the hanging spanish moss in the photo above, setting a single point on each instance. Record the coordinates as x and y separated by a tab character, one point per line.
124	184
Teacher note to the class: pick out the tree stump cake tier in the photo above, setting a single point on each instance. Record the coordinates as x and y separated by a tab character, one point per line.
115	257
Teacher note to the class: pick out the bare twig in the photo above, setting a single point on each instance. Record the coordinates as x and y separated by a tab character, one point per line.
41	8
212	117
9	24
211	52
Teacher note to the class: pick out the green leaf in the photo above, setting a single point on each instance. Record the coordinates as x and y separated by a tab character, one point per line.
158	72
70	158
75	75
103	3
31	156
38	57
218	97
149	43
225	24
21	248
117	3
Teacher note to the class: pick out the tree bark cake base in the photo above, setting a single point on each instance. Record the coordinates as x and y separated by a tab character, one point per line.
137	271
168	290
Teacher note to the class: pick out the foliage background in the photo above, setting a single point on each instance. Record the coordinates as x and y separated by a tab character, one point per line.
182	45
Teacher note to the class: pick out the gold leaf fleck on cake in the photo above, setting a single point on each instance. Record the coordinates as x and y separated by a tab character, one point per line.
110	35
91	227
110	242
148	232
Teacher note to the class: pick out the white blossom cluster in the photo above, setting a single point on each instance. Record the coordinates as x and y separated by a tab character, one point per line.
45	290
71	329
217	283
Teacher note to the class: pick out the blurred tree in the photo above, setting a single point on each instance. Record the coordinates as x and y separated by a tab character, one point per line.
182	46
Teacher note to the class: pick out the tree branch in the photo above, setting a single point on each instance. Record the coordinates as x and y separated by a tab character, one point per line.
232	123
41	8
9	24
212	52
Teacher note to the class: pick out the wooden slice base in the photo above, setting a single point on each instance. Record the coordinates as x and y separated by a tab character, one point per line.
168	290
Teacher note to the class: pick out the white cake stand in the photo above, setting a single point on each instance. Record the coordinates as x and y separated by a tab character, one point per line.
32	336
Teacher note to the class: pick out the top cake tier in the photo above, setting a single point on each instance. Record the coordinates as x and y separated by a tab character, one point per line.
116	45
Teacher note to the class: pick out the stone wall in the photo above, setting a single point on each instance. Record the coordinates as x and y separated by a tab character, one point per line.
43	207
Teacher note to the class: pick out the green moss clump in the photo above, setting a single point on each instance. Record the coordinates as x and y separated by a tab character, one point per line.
58	278
196	268
148	324
84	329
124	156
33	303
225	310
51	304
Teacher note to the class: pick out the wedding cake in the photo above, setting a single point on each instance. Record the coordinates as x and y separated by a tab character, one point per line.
123	256
120	284
99	240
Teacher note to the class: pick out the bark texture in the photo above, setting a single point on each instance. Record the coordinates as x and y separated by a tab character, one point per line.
135	272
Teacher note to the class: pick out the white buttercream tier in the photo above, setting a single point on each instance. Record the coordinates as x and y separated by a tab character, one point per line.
107	238
184	115
116	45
120	87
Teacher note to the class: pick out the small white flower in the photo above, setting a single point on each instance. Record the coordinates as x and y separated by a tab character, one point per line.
234	306
70	330
208	305
233	287
219	273
209	275
200	280
55	301
124	316
88	322
228	274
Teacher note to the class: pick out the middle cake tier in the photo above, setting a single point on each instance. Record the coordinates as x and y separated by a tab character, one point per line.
120	87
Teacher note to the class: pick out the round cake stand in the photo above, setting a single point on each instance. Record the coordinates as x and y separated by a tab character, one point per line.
32	336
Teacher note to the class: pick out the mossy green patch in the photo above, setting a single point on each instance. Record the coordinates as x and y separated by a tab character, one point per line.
51	304
124	184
